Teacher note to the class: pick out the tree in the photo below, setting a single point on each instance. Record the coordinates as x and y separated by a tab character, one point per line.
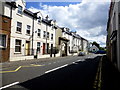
96	44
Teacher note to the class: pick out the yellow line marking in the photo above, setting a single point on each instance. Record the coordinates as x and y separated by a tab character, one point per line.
31	65
17	68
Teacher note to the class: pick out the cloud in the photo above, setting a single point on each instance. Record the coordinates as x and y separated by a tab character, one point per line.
89	19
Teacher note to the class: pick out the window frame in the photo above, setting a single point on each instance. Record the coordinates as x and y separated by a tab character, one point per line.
39	33
18	45
44	34
28	29
39	47
5	41
20	10
19	27
51	36
39	20
48	35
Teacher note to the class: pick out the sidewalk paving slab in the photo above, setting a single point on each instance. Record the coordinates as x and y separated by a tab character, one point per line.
110	76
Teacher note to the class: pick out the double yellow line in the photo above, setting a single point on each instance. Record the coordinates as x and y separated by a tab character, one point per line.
98	81
31	65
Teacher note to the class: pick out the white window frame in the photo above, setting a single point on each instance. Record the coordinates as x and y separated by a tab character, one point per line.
48	35
39	33
51	36
44	34
18	45
5	45
39	47
20	9
39	20
28	29
18	27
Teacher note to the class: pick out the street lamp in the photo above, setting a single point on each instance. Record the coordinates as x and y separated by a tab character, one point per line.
34	16
46	18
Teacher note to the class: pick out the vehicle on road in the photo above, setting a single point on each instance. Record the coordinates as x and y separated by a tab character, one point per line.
100	52
81	53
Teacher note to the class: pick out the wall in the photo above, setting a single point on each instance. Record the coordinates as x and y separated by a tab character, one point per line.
5	29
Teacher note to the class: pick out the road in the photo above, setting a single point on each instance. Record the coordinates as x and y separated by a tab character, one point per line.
65	72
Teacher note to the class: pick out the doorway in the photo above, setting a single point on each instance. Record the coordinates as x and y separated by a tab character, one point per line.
27	48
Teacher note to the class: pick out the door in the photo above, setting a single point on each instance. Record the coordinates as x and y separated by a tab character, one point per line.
27	48
43	48
65	49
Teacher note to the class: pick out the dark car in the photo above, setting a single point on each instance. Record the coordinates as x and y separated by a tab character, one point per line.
100	52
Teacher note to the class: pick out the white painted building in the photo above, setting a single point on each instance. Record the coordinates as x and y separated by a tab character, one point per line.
28	32
74	44
93	48
33	36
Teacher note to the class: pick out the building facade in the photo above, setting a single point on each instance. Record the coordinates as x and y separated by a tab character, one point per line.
31	34
5	31
93	49
113	34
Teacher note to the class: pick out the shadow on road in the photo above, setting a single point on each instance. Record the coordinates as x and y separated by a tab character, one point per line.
80	76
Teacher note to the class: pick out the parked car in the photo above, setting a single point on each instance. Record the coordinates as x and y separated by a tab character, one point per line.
81	53
100	52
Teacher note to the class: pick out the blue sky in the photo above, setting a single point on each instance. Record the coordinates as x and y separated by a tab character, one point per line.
37	4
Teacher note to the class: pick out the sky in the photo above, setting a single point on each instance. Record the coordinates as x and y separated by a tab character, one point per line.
89	19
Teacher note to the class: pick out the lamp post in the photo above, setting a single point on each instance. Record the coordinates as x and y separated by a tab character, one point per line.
34	16
46	32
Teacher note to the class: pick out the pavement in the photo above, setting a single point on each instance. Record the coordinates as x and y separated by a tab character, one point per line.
26	62
110	77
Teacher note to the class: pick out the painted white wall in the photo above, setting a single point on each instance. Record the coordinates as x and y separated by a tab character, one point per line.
26	20
7	8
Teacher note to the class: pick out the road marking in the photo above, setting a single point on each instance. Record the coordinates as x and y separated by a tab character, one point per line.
56	68
79	60
9	85
31	65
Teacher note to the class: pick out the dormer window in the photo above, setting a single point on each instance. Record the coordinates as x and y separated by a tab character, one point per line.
39	20
20	9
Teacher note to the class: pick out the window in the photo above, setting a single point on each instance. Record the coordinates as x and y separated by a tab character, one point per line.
2	41
18	46
52	27
48	35
39	20
20	9
51	36
38	46
39	32
28	29
44	34
19	26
